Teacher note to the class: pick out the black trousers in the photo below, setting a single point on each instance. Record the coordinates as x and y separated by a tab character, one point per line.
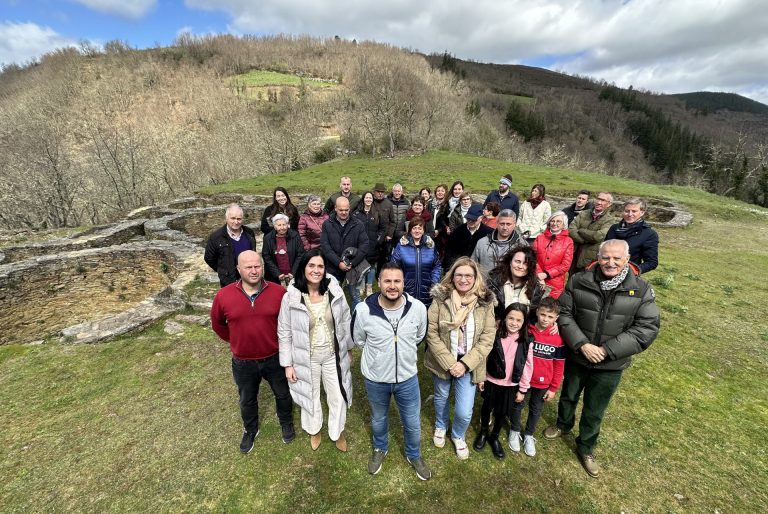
535	399
248	375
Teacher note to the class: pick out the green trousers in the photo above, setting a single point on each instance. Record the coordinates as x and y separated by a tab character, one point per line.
598	387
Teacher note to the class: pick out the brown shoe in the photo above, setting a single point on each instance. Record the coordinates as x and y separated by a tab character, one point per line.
341	443
590	465
314	441
553	432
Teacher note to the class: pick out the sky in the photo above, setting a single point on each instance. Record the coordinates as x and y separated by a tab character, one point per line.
666	46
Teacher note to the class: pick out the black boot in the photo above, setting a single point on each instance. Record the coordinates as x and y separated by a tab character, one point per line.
479	443
496	447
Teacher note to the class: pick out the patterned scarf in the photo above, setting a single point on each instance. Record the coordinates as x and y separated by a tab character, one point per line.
613	283
461	306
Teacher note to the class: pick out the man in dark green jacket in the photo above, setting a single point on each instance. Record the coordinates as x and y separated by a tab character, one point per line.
608	314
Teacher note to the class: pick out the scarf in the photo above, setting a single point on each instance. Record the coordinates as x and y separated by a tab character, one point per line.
461	306
613	283
536	201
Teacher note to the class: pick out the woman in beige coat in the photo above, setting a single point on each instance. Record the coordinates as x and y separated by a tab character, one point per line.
459	338
313	329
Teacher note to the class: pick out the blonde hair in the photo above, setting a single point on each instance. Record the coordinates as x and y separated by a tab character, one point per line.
479	289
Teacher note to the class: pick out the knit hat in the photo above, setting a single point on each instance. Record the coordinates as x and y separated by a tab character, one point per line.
505	181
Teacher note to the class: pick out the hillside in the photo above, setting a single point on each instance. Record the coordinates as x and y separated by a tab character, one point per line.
87	137
148	422
707	102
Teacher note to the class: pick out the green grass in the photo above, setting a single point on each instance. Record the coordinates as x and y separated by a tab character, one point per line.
525	100
261	78
150	422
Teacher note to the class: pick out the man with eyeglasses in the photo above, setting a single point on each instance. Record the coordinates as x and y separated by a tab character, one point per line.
601	347
225	244
589	229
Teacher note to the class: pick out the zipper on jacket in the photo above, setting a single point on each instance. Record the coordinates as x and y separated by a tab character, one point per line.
397	379
601	319
418	271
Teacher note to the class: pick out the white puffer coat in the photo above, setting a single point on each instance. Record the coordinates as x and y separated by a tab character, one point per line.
293	336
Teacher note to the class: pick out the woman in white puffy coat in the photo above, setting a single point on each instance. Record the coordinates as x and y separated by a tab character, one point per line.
534	214
313	330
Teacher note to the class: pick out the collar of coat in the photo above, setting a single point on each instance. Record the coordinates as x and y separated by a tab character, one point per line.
441	293
426	241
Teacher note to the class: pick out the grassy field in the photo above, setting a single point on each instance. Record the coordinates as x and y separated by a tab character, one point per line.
261	78
150	422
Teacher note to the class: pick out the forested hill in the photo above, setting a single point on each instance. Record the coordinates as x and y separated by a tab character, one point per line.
88	134
708	102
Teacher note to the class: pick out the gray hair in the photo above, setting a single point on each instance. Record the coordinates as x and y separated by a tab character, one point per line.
614	242
280	216
609	195
507	213
313	198
231	207
636	201
562	215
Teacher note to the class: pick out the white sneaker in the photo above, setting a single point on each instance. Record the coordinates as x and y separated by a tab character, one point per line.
462	452
439	437
514	441
529	445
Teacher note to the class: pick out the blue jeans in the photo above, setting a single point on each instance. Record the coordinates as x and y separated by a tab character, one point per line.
370	275
354	293
464	391
408	400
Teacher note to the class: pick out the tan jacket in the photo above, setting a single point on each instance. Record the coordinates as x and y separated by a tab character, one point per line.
440	357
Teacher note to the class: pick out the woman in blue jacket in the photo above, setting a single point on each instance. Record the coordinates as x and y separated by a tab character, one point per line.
417	255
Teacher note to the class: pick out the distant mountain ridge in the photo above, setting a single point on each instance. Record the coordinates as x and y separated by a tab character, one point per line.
708	101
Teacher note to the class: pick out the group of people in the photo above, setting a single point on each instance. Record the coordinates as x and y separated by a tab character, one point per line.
484	285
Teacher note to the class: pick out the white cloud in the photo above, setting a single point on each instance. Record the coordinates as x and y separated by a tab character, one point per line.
20	42
685	45
133	9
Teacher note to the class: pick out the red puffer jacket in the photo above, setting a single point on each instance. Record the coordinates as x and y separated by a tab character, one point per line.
554	254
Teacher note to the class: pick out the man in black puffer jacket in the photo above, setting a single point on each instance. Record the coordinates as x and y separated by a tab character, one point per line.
226	243
608	315
340	232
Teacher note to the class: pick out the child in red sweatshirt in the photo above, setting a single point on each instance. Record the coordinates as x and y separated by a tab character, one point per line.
548	366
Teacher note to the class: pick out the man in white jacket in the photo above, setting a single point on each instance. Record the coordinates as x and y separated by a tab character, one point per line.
389	327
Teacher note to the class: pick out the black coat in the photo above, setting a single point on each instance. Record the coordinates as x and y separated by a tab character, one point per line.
496	365
571	211
461	243
269	247
495	284
643	243
376	228
219	254
335	238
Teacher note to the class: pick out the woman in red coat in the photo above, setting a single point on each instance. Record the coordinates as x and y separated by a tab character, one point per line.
554	253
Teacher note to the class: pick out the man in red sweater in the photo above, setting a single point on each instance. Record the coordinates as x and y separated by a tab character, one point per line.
244	314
